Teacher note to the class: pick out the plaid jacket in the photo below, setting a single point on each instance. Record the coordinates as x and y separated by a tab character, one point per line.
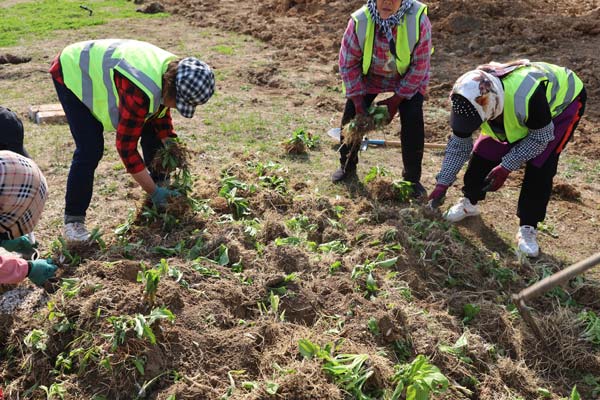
23	193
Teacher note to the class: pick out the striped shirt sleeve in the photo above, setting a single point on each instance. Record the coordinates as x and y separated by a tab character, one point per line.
350	62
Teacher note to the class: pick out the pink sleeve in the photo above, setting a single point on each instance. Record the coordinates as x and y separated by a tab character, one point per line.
350	62
12	269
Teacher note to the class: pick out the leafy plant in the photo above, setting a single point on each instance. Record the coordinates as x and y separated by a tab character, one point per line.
273	308
376	172
150	277
306	138
404	190
591	332
418	380
140	324
36	339
470	311
458	349
59	246
349	371
55	391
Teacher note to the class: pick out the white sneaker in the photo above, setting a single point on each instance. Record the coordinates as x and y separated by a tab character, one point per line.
527	242
76	232
461	210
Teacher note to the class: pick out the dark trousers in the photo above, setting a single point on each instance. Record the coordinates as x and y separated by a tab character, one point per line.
87	132
537	182
412	135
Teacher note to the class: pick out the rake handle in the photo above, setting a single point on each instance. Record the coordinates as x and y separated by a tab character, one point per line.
558	278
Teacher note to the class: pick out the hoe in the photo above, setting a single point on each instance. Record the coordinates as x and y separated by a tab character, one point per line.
547	284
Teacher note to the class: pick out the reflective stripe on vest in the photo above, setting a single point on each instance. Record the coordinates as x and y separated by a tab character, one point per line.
563	86
407	35
88	71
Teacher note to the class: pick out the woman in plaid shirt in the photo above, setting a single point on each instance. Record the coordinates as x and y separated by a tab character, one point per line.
386	48
127	86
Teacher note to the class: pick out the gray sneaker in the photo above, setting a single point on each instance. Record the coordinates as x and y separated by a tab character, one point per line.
75	232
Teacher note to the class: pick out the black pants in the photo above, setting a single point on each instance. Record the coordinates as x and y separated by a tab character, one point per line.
537	182
412	135
87	132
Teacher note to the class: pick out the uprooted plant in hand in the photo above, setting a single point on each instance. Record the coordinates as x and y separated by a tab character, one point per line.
354	131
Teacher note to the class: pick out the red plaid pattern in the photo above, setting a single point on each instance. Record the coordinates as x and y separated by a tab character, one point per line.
134	107
383	75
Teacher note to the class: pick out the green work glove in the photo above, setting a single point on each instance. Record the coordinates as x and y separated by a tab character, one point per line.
41	270
20	245
161	195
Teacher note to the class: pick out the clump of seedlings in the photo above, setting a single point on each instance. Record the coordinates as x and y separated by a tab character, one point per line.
354	131
173	155
300	141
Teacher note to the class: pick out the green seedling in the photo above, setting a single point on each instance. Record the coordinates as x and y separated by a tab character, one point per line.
470	311
55	391
273	308
150	277
300	141
458	349
376	172
140	324
373	326
591	332
417	380
335	246
301	223
274	182
288	241
366	270
36	339
96	237
177	250
59	246
349	371
404	190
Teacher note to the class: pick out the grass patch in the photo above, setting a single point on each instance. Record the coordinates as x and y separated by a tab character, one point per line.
36	20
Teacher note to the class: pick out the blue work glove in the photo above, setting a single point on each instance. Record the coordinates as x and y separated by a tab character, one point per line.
41	270
161	195
19	245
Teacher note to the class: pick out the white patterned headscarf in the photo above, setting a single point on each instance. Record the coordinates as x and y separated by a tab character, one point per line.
484	91
389	23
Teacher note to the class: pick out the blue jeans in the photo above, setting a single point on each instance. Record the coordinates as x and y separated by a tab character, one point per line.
87	132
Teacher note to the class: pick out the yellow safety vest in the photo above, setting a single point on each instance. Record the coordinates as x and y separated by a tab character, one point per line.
563	86
88	71
407	36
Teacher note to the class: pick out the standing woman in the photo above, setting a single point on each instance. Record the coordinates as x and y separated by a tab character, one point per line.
527	112
125	86
386	48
